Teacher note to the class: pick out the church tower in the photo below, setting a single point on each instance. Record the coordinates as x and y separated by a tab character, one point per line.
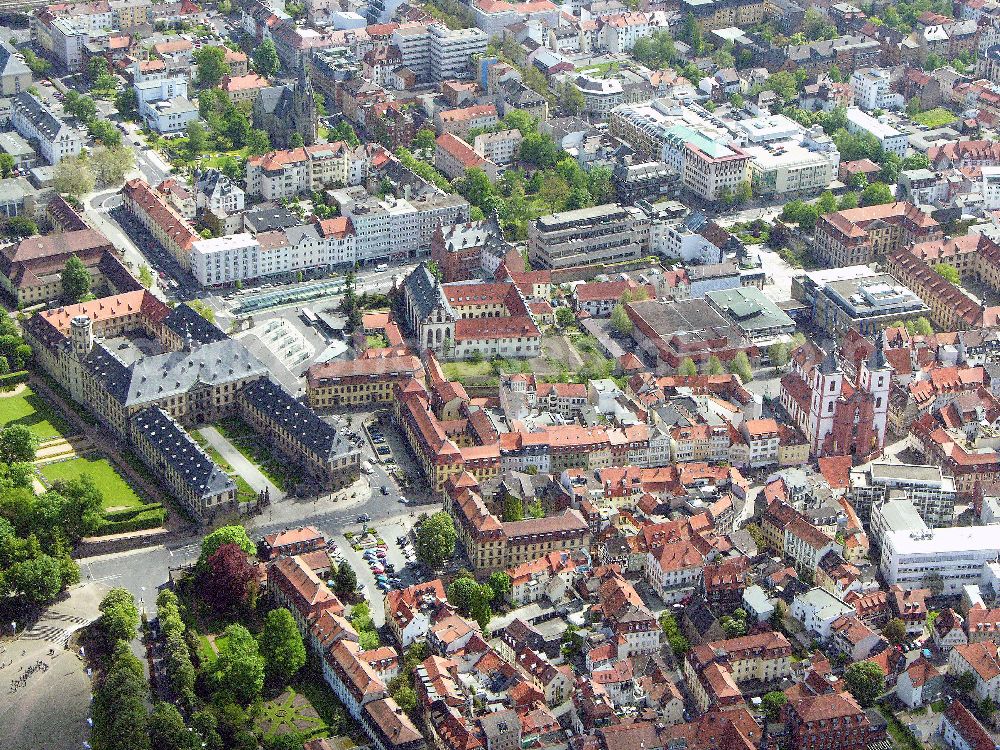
874	378
81	335
827	385
306	111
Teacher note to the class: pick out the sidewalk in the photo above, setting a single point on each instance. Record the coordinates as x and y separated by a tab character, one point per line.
254	477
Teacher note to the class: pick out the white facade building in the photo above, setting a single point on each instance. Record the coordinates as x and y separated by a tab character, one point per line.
33	120
891	140
957	554
452	51
872	90
500	148
991	188
224	260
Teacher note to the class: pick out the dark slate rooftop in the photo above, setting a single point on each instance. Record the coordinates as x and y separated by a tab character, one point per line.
164	375
175	447
297	418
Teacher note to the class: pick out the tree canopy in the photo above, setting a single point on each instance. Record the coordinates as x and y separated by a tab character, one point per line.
436	539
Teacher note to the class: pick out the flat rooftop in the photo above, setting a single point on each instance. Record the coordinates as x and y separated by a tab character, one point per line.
971	540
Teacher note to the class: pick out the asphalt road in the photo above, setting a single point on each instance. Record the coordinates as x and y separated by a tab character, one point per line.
144	571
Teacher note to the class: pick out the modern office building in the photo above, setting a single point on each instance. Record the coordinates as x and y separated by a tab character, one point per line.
891	140
932	493
865	304
956	554
601	234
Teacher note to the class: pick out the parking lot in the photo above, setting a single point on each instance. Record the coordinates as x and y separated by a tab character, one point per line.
392	452
379	568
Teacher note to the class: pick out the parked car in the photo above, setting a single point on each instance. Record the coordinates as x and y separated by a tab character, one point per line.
364	518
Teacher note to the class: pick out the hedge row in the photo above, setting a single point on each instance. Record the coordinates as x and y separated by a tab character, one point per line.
147	520
127	514
13	378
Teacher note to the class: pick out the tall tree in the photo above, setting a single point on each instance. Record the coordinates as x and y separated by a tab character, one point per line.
239	668
73	176
741	366
17	443
687	367
226	584
119	617
212	65
866	682
265	59
281	646
436	539
346	580
120	720
75	279
167	730
234	534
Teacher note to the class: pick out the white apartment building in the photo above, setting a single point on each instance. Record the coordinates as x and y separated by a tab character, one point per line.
991	188
500	148
33	120
395	229
891	140
452	51
224	260
619	33
169	115
600	95
159	89
674	236
414	43
215	192
817	609
285	174
957	554
69	38
872	90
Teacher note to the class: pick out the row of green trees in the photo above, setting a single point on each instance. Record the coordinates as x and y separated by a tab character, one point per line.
739	365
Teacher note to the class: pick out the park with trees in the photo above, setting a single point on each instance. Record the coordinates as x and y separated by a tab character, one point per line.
236	670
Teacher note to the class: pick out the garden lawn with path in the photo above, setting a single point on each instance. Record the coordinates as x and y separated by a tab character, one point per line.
256	451
116	491
291	713
244	492
27	407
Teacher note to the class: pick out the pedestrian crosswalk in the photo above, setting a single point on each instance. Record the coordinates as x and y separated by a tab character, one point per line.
56	628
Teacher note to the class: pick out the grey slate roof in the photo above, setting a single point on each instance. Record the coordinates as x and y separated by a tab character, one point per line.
177	449
11	62
298	419
421	287
164	375
39	115
185	322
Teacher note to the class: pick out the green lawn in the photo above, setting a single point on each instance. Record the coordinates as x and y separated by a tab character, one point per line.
935	118
376	341
244	492
460	370
29	409
257	451
117	492
206	654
